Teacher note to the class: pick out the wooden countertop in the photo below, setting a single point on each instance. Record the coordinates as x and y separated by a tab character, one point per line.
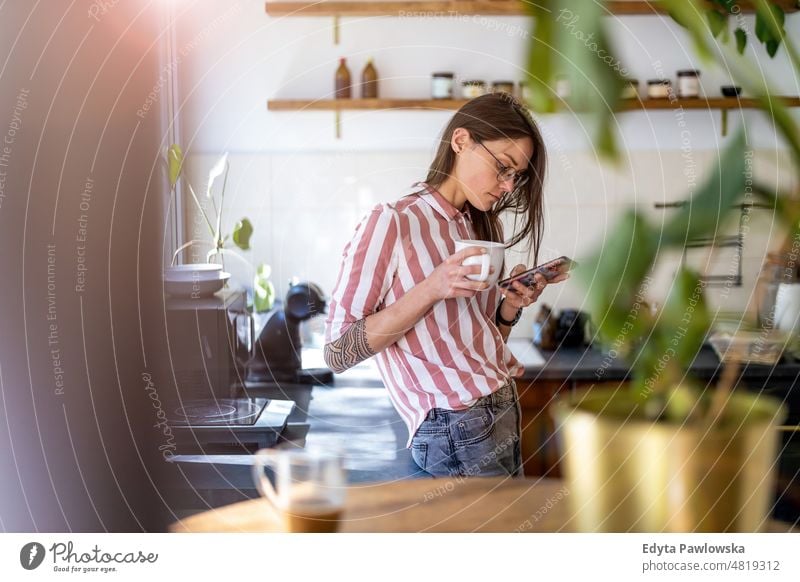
425	505
421	505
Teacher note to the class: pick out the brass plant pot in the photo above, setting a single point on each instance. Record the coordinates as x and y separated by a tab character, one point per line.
627	474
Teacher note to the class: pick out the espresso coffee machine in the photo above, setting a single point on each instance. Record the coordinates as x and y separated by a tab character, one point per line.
278	350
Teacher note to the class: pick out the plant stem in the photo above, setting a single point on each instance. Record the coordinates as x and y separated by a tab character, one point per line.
186	246
223	251
722	395
218	234
200	207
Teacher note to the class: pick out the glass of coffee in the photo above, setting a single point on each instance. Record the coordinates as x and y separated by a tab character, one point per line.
304	487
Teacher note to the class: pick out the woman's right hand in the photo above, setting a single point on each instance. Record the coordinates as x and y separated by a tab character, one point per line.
449	278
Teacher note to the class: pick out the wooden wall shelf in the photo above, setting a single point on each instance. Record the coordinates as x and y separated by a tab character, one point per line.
450	104
447	7
361	104
723	104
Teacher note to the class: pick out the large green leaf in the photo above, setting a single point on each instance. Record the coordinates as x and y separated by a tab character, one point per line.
615	276
728	5
741	40
688	13
242	233
661	360
702	216
570	40
716	22
769	23
590	65
175	161
540	59
685	319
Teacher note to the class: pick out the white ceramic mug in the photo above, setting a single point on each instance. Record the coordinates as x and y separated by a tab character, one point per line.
495	253
307	487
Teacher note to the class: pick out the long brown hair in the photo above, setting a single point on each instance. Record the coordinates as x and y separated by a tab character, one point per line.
492	117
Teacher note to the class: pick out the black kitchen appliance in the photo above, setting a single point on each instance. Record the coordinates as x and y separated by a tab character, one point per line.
208	411
278	350
228	425
210	344
571	328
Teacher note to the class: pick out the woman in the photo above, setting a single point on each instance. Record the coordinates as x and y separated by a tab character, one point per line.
403	295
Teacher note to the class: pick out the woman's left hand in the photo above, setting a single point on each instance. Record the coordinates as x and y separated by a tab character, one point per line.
520	295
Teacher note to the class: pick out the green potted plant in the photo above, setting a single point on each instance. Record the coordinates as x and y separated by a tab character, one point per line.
219	243
662	452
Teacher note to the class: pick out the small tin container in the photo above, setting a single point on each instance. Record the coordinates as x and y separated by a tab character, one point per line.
504	86
659	88
631	89
472	89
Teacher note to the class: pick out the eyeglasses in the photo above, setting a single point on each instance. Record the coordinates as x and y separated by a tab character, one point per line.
505	173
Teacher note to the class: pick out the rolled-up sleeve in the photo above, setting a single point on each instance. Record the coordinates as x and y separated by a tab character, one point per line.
367	269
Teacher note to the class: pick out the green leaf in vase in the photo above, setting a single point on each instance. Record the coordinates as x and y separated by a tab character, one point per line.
242	233
175	159
263	289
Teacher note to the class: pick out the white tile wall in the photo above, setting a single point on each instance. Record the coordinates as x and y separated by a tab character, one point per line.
305	206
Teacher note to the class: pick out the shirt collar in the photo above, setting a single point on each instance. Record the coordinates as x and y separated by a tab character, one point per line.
440	204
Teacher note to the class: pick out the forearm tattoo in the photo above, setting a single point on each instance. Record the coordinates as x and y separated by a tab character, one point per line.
350	349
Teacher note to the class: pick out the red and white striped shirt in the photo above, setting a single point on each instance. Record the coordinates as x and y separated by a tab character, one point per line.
455	353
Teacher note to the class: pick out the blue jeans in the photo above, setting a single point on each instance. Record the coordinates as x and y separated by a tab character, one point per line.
483	440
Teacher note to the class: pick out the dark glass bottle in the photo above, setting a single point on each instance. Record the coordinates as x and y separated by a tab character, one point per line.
369	81
342	82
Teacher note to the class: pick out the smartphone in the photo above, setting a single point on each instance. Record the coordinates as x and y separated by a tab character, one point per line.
550	270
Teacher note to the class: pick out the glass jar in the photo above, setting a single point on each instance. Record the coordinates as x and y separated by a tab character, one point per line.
631	89
688	84
472	89
659	88
504	86
442	85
